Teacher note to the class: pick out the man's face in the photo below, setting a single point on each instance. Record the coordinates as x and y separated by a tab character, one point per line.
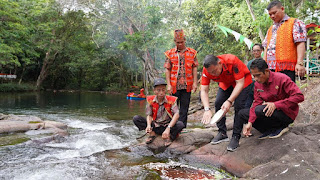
215	70
260	77
160	91
256	51
276	13
181	44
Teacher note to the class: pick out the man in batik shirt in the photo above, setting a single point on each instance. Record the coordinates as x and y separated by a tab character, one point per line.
181	73
285	42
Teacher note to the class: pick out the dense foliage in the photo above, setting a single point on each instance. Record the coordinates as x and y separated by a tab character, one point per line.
113	44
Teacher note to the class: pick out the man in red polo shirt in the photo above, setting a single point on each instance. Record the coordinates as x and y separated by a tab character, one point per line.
234	78
275	104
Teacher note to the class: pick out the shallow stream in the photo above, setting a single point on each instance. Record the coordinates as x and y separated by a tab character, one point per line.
98	147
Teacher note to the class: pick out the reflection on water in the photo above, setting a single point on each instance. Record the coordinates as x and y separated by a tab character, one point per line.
92	104
99	125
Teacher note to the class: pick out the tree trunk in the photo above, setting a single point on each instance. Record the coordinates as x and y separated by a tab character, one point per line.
44	70
254	18
23	69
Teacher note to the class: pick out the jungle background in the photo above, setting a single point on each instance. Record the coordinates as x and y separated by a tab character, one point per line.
110	45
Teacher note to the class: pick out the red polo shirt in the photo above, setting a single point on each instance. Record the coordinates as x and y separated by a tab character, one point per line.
232	69
281	90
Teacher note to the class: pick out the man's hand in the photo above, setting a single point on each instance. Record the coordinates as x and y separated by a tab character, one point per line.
194	87
247	129
148	129
300	70
226	106
166	133
169	89
206	117
269	109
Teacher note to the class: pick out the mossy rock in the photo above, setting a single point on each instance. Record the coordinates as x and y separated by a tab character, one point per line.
12	139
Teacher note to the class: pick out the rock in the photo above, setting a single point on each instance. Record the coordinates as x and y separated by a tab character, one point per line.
22	123
185	143
295	155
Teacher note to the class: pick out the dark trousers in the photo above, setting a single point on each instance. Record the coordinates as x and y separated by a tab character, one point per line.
141	123
278	120
239	104
250	97
291	74
183	102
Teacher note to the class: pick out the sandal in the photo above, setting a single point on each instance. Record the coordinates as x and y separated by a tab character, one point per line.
167	142
150	139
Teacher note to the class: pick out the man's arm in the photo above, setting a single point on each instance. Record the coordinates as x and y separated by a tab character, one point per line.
166	133
168	74
300	69
195	79
149	120
295	96
265	54
205	101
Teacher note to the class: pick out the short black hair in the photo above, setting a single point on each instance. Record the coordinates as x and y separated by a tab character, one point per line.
259	63
273	4
257	44
210	60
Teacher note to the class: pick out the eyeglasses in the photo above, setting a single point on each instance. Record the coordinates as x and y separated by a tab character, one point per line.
256	50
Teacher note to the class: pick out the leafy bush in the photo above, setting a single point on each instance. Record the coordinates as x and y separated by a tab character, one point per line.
14	87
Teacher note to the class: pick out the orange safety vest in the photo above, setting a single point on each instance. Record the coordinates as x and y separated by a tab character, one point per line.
167	105
286	49
172	54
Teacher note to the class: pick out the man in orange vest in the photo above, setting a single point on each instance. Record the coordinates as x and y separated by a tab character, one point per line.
285	42
162	115
181	73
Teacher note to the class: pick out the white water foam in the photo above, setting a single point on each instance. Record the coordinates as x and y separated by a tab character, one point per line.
86	125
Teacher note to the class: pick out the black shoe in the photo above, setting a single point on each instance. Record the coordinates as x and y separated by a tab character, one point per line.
219	138
265	135
277	133
234	144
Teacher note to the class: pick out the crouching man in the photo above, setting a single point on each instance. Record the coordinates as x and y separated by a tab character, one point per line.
275	104
162	115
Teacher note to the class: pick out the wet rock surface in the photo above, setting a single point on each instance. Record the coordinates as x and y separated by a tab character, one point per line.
295	155
22	123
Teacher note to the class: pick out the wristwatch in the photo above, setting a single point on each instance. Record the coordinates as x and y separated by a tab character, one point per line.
301	63
206	108
169	126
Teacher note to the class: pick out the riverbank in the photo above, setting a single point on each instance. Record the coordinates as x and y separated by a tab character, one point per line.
295	155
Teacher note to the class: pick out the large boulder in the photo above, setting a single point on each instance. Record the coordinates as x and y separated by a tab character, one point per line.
295	155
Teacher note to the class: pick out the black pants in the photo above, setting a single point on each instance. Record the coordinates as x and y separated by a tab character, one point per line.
291	74
239	104
183	102
141	123
250	96
278	120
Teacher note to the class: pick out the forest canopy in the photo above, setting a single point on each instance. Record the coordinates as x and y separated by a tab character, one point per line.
112	44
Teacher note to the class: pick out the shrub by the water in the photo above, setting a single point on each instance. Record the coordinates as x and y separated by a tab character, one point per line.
15	87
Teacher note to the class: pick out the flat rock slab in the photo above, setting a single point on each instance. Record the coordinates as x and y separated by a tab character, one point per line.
295	155
22	123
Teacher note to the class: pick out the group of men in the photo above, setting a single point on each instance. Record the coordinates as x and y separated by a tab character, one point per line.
263	93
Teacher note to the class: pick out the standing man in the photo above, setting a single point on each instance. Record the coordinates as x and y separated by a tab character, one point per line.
285	42
257	49
181	73
234	78
275	104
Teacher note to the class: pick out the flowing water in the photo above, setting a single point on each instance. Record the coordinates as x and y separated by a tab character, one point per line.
101	132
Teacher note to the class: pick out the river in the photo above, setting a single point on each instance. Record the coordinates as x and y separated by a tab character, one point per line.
101	130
